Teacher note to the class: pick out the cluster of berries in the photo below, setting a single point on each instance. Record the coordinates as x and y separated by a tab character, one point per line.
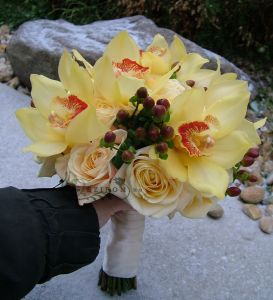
243	175
145	126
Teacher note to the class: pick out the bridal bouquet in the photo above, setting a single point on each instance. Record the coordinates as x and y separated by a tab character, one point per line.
151	126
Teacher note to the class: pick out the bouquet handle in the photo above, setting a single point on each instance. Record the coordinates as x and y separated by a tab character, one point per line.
122	252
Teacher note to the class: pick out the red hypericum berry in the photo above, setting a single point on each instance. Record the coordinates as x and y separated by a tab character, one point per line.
153	133
142	93
140	133
148	103
159	111
253	178
127	156
247	161
109	137
161	148
167	132
164	102
253	152
233	191
190	83
122	115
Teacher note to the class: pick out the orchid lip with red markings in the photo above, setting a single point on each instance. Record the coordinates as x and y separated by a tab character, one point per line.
66	109
157	50
130	67
192	138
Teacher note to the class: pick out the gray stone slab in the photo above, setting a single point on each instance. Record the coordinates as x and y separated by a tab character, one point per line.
37	45
226	259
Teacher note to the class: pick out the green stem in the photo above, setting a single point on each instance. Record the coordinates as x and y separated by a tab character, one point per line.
136	109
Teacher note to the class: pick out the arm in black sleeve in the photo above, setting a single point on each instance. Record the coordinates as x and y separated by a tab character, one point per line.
43	233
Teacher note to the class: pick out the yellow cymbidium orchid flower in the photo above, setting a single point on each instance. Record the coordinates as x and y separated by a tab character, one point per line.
212	135
64	113
122	71
164	60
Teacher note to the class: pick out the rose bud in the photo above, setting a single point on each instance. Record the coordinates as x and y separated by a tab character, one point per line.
161	148
140	133
122	115
164	102
127	156
253	178
247	161
159	111
154	133
233	191
148	103
142	93
167	132
253	152
190	83
109	137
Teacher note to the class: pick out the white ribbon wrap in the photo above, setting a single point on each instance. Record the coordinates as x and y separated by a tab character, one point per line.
124	244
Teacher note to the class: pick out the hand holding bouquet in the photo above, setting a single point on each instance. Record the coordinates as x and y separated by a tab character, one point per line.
151	126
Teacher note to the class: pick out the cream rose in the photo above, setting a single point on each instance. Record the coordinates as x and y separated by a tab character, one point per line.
106	113
145	185
89	168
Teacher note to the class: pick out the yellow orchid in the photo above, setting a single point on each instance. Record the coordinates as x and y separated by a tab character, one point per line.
211	136
64	113
164	60
122	71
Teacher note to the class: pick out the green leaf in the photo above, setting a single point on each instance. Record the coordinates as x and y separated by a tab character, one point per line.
163	156
134	100
132	149
170	144
102	142
167	117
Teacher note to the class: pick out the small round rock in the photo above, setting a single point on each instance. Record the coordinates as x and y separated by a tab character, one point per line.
252	194
266	224
216	213
252	211
269	210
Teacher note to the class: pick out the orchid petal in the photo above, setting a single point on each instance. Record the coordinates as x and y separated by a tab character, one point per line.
44	90
207	177
75	79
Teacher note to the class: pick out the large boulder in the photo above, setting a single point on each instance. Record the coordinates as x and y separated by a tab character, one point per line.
37	45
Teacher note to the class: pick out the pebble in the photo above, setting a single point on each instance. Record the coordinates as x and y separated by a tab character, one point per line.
252	211
268	200
4	30
252	194
6	71
266	224
217	212
14	82
269	210
269	179
268	166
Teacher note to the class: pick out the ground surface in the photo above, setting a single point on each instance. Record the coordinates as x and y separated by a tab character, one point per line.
228	259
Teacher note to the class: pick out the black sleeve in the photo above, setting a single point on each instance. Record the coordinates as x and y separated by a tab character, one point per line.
43	233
